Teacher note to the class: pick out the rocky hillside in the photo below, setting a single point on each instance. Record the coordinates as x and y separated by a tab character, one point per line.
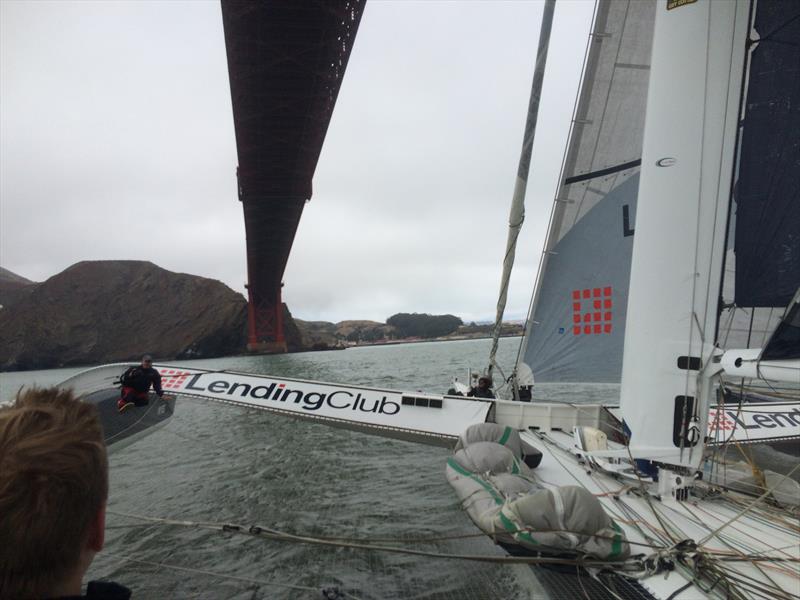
105	311
13	288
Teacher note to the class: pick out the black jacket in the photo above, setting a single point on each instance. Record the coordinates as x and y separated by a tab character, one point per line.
480	393
140	378
102	590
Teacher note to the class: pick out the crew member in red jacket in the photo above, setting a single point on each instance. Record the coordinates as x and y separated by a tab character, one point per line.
136	382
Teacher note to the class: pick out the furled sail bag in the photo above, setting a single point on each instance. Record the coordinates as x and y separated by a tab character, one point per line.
501	496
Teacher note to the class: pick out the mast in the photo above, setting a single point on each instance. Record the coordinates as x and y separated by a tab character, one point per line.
517	213
684	196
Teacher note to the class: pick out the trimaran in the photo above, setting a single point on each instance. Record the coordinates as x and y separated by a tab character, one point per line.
682	165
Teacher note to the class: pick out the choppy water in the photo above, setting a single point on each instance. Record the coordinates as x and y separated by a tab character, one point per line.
220	463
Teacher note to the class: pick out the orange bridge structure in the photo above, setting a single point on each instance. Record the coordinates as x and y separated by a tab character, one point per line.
286	61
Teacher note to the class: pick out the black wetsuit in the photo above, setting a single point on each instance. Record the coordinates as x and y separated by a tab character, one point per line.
141	378
136	382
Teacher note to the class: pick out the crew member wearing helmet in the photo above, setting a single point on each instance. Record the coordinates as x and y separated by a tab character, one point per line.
484	389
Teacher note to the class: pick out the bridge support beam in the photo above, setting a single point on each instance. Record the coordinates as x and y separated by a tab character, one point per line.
286	61
270	226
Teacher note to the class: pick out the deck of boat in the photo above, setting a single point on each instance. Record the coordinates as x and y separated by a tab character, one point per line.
731	534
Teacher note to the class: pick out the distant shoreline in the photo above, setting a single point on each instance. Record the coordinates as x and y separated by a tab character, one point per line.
329	349
426	340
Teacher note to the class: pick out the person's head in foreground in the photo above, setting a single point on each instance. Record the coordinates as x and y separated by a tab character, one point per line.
53	492
147	361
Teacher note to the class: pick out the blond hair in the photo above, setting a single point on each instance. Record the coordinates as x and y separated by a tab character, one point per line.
53	482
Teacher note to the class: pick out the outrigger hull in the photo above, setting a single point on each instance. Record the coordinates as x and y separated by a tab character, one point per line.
96	386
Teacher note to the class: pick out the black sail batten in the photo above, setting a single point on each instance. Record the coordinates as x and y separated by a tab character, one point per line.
603	172
767	229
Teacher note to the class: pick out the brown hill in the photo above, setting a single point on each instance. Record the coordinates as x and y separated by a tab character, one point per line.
319	335
105	311
366	331
13	288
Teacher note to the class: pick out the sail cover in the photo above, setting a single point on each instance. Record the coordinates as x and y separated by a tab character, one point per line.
576	326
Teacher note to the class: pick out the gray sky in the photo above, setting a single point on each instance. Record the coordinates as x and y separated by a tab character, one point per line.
116	142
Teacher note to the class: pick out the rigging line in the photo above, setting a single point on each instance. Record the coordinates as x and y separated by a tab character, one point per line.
735	549
618	505
666	538
664	532
749	507
414	540
770	520
218	574
767	515
755	586
646	529
268	533
737	139
694	290
564	468
782	550
580	583
646	494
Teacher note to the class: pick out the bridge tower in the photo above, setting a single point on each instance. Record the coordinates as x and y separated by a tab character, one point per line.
286	61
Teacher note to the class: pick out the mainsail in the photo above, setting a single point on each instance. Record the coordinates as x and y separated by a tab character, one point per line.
576	324
762	271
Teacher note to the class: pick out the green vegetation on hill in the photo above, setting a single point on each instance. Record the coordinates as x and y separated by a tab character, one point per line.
424	325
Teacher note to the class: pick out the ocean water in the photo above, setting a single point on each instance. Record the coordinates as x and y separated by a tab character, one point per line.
221	463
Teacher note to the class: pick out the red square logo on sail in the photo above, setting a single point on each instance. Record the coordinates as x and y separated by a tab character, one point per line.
598	308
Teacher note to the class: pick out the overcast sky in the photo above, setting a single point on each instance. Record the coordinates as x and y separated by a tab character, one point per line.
117	142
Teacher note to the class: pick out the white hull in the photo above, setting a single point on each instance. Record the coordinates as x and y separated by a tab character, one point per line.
764	530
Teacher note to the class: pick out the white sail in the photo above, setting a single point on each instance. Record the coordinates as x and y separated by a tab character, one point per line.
576	324
684	196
